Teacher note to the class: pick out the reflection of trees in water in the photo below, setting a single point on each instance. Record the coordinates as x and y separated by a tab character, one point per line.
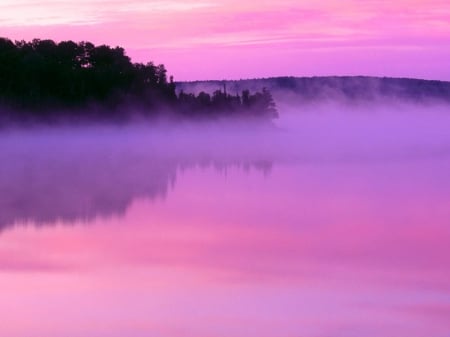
47	188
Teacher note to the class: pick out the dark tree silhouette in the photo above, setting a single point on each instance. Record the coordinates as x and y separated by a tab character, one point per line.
43	79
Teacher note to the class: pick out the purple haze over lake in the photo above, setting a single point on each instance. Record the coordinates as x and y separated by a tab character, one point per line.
334	223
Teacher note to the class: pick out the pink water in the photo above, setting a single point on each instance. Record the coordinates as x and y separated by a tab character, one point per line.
266	246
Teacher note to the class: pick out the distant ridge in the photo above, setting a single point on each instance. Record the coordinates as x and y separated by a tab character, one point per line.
349	88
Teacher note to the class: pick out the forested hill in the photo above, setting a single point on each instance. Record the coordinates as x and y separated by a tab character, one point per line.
343	88
43	79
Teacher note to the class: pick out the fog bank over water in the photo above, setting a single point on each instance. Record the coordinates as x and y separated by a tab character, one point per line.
80	173
333	221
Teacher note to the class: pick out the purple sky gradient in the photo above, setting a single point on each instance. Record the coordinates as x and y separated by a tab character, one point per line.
216	39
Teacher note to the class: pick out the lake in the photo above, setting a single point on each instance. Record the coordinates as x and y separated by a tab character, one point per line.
330	223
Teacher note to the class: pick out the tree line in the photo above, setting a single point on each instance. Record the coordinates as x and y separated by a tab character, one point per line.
43	77
259	104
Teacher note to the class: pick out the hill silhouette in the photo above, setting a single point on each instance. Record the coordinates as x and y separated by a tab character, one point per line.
301	90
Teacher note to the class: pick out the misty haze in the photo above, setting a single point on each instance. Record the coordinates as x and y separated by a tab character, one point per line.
224	168
261	223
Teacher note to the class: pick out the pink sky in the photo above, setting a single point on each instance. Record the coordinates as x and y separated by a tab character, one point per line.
216	39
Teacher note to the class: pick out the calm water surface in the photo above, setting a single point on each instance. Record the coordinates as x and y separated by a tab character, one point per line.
322	229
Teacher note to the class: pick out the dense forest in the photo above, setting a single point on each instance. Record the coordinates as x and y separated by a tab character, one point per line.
42	78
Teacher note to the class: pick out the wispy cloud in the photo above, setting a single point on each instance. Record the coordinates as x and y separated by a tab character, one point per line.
45	13
197	28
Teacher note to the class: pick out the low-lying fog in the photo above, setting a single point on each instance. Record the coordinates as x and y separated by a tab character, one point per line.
85	171
333	221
